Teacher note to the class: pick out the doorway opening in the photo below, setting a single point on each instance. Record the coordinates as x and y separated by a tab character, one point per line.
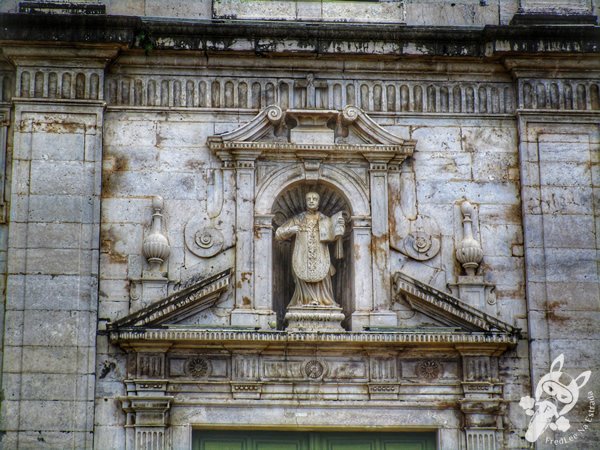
297	440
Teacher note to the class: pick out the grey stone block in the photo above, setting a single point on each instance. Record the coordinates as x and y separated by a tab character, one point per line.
489	166
489	139
566	200
136	158
53	235
438	139
448	192
120	132
10	419
53	261
14	328
565	173
57	146
63	359
566	152
108	437
450	166
497	240
60	292
62	208
570	231
169	185
61	177
108	411
571	265
54	327
125	210
184	134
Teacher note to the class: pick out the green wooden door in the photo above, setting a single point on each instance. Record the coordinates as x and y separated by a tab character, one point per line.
287	440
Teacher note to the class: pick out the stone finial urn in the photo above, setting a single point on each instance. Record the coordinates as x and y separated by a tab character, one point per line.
156	246
469	252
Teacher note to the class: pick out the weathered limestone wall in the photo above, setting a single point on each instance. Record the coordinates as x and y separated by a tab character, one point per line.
517	137
52	274
155	134
560	193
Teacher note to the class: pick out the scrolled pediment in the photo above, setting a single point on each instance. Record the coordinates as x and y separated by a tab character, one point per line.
349	133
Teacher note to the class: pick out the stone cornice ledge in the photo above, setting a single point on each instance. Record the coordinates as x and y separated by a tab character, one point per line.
265	37
199	336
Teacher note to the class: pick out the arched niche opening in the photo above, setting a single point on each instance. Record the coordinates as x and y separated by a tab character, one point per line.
288	204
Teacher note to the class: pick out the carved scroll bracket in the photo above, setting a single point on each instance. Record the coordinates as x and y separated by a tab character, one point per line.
147	409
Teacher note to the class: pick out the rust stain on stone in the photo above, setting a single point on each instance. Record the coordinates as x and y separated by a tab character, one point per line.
194	164
112	168
554	317
552	313
245	276
108	239
246	301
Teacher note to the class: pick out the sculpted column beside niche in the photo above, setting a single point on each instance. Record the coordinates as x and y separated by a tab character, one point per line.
313	305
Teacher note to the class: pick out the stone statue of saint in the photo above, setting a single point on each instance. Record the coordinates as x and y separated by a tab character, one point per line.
311	263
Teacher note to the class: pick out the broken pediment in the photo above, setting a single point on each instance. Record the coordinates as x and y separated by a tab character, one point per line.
326	133
195	296
445	308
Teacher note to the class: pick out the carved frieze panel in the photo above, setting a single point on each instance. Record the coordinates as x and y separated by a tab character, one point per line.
216	92
150	365
7	81
59	83
384	368
431	369
559	94
199	366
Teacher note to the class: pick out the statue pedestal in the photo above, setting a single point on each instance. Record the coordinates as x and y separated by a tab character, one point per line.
314	318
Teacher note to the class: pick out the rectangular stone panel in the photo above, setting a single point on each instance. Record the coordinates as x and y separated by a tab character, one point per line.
57	147
52	235
570	231
60	208
61	359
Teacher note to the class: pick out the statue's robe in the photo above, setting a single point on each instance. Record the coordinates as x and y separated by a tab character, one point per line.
311	262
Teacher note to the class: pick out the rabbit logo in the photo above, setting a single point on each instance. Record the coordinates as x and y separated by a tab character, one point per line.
555	395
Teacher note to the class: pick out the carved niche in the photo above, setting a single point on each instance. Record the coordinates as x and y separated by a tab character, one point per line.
274	160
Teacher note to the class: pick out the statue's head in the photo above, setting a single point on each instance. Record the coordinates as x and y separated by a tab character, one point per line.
312	201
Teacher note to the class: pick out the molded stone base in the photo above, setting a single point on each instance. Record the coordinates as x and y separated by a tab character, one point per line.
314	318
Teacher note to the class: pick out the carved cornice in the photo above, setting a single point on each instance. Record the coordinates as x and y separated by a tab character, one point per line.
446	308
194	298
203	336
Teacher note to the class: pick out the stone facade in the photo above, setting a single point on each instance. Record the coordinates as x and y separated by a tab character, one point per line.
146	164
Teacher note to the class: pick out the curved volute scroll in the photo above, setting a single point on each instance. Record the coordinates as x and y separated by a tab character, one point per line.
371	131
274	133
254	130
